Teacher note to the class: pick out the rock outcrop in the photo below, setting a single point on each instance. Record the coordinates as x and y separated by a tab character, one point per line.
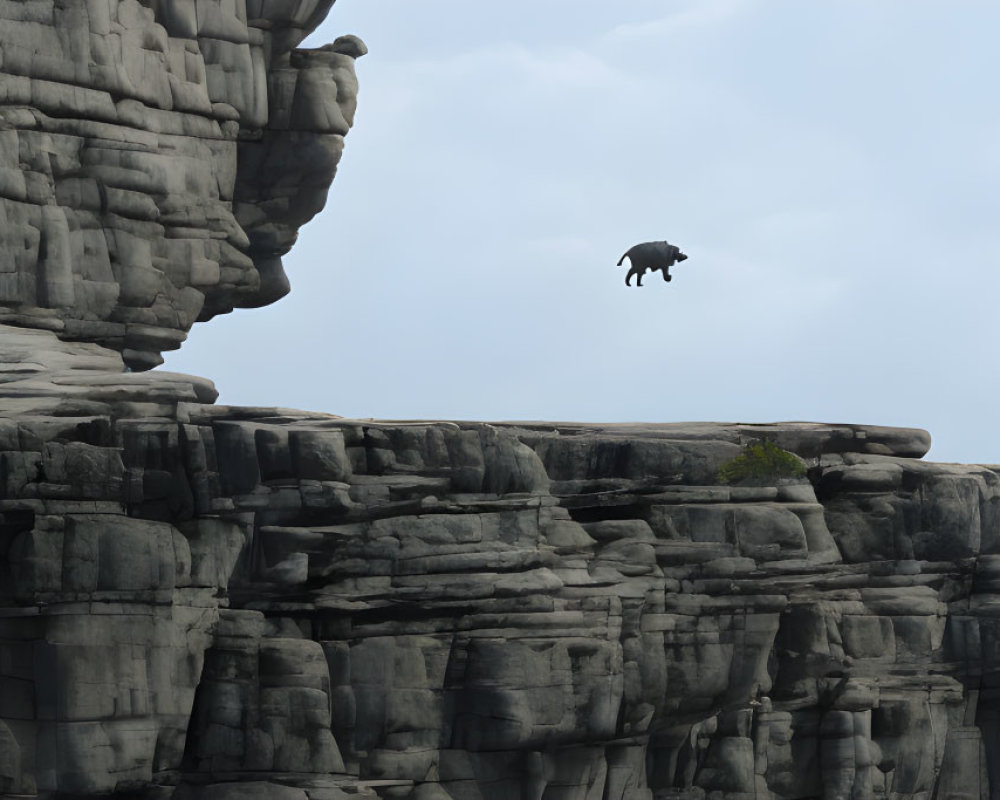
157	159
201	602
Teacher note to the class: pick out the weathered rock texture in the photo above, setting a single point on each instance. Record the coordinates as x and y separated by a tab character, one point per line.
209	603
200	601
157	159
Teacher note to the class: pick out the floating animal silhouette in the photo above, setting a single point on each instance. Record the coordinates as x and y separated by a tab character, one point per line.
649	257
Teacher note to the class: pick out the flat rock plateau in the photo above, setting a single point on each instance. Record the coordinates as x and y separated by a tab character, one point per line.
203	602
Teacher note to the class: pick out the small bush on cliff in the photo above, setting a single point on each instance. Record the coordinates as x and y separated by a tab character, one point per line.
761	462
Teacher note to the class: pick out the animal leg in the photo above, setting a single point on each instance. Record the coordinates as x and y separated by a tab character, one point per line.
666	274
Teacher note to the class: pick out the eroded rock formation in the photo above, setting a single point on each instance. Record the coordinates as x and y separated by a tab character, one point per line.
200	600
157	159
219	603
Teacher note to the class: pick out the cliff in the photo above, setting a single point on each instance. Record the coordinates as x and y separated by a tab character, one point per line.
158	158
201	601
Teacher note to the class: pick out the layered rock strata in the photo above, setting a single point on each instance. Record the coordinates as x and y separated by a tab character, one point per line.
200	600
157	159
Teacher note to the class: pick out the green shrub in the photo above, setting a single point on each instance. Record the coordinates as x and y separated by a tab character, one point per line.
761	462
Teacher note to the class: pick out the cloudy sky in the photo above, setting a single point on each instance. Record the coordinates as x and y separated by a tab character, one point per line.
831	168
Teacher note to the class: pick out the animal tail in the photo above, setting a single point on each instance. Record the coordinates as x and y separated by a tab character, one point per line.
621	260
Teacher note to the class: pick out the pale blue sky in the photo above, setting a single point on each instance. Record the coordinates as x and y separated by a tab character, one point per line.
830	167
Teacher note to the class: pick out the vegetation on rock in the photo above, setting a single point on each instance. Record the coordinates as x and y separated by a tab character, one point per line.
761	462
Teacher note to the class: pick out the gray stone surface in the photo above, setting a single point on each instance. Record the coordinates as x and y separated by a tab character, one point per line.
200	602
157	159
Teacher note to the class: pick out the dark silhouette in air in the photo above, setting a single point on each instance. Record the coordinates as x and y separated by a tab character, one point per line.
651	256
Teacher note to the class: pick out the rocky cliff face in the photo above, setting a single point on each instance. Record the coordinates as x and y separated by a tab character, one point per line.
157	159
199	601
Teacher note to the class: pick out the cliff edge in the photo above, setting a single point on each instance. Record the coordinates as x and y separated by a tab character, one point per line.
202	602
158	158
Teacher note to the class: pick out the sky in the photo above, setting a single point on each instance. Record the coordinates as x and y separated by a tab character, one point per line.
830	167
